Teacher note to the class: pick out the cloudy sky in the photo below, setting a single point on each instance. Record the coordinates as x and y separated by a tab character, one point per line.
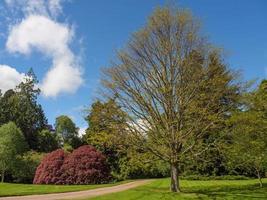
66	42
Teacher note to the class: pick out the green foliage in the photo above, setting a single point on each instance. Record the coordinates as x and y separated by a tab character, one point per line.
12	144
106	131
67	132
47	141
175	87
247	145
106	123
21	107
25	166
212	162
142	165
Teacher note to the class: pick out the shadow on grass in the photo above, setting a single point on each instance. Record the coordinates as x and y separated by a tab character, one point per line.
252	191
213	192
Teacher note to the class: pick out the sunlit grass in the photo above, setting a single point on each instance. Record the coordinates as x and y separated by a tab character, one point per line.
10	189
213	189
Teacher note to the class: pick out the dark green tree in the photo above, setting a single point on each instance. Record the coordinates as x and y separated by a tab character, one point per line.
67	132
47	141
21	107
106	131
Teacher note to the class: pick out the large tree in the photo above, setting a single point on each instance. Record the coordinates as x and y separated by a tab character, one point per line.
21	107
12	144
174	86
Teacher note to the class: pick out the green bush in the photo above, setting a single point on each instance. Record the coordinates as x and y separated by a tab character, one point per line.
141	165
24	169
205	178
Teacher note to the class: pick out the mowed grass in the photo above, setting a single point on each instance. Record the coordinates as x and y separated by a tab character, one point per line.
10	189
215	189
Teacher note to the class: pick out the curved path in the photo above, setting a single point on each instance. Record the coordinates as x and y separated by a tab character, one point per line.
80	194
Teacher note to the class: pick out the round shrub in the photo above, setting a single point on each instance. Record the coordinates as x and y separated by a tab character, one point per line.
85	165
49	171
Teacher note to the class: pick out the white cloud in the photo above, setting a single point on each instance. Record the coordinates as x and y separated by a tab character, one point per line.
82	131
9	78
50	8
38	32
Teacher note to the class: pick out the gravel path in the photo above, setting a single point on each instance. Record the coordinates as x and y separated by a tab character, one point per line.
80	194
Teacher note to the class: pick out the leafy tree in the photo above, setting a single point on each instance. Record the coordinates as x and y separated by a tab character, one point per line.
67	131
106	131
248	140
138	164
21	107
174	87
25	166
12	144
47	141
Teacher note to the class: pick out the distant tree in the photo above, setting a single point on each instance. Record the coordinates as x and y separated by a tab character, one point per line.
47	141
12	144
248	140
174	87
107	130
21	107
67	131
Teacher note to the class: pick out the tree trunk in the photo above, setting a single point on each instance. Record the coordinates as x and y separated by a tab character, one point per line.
259	177
2	176
175	186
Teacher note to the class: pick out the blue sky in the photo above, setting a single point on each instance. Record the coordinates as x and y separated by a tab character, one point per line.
90	32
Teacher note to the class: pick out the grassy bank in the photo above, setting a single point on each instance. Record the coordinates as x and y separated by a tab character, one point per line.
212	189
10	189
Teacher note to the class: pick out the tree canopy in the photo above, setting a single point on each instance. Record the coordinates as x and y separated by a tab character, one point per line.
174	86
21	107
248	139
12	144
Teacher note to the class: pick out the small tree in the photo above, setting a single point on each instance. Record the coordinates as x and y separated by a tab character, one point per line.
12	144
248	140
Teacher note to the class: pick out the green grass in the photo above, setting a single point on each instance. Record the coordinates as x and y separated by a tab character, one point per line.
214	189
10	189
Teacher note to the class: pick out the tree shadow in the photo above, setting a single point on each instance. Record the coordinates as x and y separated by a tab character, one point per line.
213	192
230	192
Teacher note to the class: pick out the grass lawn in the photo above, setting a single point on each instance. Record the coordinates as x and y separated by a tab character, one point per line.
11	189
217	189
